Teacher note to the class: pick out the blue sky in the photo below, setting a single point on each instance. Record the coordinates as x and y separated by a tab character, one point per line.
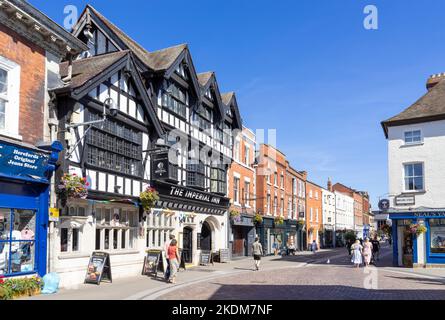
307	68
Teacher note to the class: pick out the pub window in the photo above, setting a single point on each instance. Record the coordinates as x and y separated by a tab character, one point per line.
196	175
218	179
159	228
69	240
175	99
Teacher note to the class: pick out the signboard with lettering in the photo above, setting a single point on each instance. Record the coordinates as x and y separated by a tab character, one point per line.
188	195
154	262
405	200
17	161
99	268
223	255
206	258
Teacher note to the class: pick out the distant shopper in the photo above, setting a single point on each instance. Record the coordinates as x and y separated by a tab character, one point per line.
173	258
257	250
348	246
275	248
357	249
367	252
314	247
291	248
166	245
375	249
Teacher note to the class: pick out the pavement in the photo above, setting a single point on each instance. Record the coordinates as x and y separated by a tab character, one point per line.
326	275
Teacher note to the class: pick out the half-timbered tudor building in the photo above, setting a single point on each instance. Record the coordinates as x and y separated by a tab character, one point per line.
171	130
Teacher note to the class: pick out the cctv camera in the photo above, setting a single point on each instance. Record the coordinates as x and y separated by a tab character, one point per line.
109	102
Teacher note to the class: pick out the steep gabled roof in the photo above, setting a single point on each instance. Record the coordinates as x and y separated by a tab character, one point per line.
86	69
163	59
204	78
229	100
430	107
88	73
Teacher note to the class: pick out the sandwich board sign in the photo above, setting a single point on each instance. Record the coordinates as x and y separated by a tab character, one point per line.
154	262
99	268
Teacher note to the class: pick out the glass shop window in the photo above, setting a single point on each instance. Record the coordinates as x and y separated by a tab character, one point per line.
17	241
437	236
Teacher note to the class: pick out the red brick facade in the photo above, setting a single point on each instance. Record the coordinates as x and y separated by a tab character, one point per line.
314	212
32	61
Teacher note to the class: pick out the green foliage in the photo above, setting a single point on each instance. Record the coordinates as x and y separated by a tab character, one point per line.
148	198
350	236
17	287
279	220
258	218
73	187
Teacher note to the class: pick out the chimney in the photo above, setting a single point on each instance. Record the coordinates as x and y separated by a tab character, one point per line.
329	184
434	79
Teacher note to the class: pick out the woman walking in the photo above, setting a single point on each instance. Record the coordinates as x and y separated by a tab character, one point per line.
357	254
367	252
173	258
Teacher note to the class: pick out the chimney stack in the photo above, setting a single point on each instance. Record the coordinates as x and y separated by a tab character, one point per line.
329	184
434	79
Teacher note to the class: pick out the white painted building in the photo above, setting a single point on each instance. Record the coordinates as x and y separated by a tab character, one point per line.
328	207
416	166
344	214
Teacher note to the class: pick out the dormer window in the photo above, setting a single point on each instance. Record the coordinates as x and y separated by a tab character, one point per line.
180	70
176	100
208	94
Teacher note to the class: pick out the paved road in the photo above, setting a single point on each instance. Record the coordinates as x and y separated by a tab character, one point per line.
325	275
318	280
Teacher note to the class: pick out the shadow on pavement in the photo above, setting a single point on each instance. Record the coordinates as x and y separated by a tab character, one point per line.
319	292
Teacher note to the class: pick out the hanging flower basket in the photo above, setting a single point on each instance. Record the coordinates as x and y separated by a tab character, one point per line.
235	216
148	198
73	187
417	229
257	218
301	223
279	220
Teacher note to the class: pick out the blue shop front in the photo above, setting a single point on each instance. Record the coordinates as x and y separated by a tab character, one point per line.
411	249
25	173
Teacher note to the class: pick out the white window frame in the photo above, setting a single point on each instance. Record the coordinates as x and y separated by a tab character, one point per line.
423	177
70	241
12	106
413	142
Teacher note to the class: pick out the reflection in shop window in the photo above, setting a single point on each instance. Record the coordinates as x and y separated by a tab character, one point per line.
437	235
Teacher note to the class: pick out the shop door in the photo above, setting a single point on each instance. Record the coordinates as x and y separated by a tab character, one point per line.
206	237
407	249
238	242
187	245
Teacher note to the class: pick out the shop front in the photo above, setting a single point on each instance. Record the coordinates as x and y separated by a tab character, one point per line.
242	236
411	246
328	236
25	173
198	220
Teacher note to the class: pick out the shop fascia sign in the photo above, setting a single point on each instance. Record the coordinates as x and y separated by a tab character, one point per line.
405	200
194	195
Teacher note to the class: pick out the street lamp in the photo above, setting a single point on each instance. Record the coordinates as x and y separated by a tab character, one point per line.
108	103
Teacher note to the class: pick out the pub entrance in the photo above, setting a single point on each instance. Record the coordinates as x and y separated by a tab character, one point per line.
206	237
187	244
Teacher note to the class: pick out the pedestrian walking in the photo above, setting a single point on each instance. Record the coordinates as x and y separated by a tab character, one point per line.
173	258
257	250
166	245
375	249
314	247
275	248
291	248
348	246
357	249
367	252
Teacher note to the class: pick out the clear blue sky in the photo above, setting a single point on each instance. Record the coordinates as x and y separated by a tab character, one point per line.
307	68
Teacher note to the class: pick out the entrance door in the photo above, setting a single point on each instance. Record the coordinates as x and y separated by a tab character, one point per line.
187	245
238	242
206	237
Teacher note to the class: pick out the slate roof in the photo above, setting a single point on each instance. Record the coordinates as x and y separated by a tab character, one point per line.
430	107
204	77
157	60
86	69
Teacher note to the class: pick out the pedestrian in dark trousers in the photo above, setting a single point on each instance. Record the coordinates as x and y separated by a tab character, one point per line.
166	246
375	249
257	250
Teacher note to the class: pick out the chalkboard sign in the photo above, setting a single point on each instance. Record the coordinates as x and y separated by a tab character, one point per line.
154	262
206	258
223	255
99	268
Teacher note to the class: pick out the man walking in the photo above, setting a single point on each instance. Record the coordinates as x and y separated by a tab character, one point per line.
314	246
257	250
375	249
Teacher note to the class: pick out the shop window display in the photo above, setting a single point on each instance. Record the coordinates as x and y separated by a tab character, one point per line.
17	241
437	235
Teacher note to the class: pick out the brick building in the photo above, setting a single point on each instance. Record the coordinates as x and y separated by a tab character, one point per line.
242	191
314	209
280	196
31	45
